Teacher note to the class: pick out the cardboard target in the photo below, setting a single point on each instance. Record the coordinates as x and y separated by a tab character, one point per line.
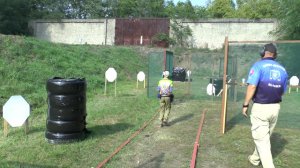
111	75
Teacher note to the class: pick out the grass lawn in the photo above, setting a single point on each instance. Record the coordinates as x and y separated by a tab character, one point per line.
111	119
232	149
27	63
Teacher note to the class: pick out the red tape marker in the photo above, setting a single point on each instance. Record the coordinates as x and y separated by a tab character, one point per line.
196	145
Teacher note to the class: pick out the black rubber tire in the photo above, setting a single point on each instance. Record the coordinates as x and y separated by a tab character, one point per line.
56	138
66	114
65	127
66	101
62	86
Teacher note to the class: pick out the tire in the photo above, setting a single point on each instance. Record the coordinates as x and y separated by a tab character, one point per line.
179	74
63	138
65	127
67	114
66	101
62	86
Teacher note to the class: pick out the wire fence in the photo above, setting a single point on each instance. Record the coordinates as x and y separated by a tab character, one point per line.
240	57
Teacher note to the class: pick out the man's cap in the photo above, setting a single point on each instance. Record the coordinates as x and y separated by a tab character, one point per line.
166	73
271	48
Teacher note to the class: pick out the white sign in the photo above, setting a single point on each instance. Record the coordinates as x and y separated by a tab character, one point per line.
188	73
210	89
294	81
111	74
16	110
141	40
141	76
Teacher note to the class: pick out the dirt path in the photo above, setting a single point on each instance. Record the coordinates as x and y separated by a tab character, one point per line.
166	147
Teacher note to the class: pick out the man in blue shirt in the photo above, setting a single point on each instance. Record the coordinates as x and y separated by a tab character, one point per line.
267	82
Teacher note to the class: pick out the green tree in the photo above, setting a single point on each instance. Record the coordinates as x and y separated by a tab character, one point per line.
221	9
86	9
181	33
256	9
14	16
185	10
182	10
127	8
201	12
154	8
170	9
44	9
66	9
288	16
288	28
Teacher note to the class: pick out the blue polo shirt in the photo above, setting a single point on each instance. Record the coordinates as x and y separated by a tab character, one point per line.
270	79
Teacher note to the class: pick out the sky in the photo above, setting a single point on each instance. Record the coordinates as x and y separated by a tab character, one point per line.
194	2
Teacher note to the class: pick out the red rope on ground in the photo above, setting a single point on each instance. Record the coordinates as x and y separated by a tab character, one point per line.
126	142
196	145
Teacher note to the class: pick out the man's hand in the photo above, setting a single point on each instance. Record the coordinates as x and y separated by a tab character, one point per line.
249	94
245	111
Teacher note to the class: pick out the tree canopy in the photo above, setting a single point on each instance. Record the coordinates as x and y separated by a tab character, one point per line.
288	15
221	9
256	9
14	21
14	14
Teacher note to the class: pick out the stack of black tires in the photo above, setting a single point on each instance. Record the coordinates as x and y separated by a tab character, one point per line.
179	74
66	110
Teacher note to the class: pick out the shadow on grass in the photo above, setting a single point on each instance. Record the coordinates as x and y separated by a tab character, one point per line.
33	130
178	101
126	95
153	162
24	165
20	131
277	142
180	119
102	130
181	100
238	119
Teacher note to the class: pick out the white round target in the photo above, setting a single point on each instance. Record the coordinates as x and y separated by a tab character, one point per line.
141	76
210	89
294	81
111	74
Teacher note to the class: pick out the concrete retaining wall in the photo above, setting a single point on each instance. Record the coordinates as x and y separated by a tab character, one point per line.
211	33
92	31
206	33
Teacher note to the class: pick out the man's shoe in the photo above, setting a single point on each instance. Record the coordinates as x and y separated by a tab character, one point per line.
161	125
165	123
253	162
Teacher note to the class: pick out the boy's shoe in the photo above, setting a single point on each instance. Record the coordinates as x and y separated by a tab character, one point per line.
165	123
161	124
253	162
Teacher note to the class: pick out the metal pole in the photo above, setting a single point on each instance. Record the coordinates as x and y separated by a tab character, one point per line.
5	127
105	86
105	30
224	95
116	88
